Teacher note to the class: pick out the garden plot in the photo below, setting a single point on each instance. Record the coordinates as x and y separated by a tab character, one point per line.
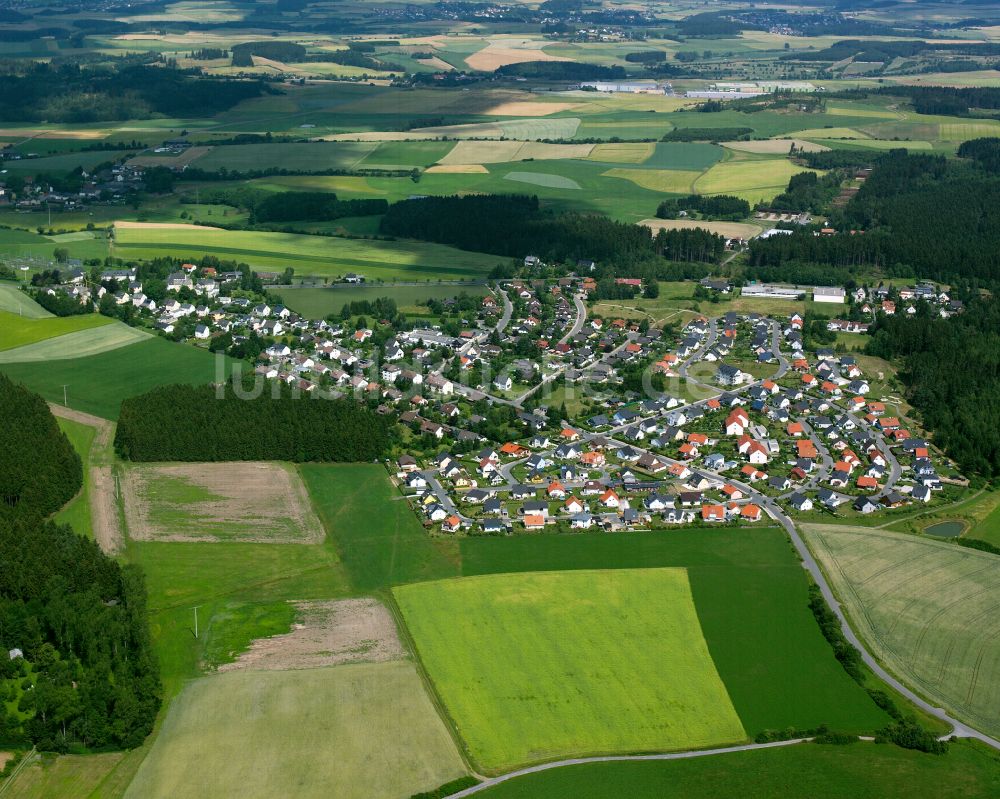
247	502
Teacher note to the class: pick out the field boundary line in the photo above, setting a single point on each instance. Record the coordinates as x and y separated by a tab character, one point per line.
432	693
20	767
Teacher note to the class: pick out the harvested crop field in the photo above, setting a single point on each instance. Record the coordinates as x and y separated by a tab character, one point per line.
928	609
497	152
248	502
526	108
546	179
16	134
457	169
327	633
626	153
831	133
672	181
182	160
731	230
436	63
358	731
505	51
774	146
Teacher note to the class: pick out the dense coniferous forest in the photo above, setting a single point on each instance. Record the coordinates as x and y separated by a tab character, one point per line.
985	152
41	471
807	191
562	70
952	370
88	675
68	93
918	214
191	423
299	206
927	216
719	206
514	225
707	134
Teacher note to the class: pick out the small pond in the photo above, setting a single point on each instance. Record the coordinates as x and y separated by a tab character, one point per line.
945	529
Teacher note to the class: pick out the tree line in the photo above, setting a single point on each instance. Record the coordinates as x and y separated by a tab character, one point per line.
515	225
69	93
719	206
288	206
87	675
915	214
952	371
203	423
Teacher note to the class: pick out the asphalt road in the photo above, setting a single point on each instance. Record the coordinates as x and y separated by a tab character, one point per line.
581	318
490	782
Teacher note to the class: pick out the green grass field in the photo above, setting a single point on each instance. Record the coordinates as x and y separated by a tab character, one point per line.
79	344
779	674
97	384
311	156
309	255
988	528
860	771
405	154
361	731
23	242
751	596
537	666
926	608
225	580
76	512
15	301
64	162
600	189
545	179
377	536
66	777
316	303
753	180
17	331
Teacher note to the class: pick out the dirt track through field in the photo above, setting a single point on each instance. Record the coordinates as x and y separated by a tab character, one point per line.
327	634
103	508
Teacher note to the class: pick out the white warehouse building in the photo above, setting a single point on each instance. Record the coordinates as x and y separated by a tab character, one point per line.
829	294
